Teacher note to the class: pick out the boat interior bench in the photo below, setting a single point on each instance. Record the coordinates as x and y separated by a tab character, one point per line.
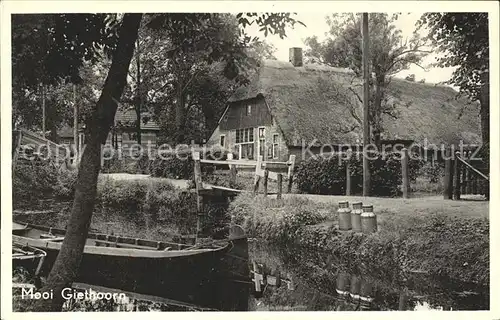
126	245
51	237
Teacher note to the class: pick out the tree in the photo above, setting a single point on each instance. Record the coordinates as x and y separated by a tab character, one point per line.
48	54
463	42
80	46
388	55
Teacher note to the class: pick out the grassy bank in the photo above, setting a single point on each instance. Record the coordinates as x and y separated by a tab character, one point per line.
435	238
151	208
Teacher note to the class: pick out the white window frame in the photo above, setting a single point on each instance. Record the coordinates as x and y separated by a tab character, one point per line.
246	132
276	146
259	143
220	139
249	110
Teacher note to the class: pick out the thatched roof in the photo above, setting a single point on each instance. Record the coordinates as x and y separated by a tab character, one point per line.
312	102
128	117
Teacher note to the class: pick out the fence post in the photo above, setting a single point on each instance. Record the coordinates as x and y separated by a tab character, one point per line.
258	168
448	177
404	168
456	177
266	176
474	183
291	169
232	170
199	198
280	186
347	179
468	177
463	185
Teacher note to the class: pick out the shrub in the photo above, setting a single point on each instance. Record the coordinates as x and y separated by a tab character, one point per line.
274	220
153	202
123	195
328	175
433	173
172	167
64	189
32	182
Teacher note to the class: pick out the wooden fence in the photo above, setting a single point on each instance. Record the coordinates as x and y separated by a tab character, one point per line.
462	175
263	171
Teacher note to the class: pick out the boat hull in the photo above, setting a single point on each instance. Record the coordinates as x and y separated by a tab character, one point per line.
185	275
186	278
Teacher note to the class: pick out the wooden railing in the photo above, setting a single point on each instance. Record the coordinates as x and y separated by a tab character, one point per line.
56	152
263	171
463	176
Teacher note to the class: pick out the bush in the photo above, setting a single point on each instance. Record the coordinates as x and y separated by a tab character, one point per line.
274	220
123	195
433	173
155	203
64	189
328	175
172	167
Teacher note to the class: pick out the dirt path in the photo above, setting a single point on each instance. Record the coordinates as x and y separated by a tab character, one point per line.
427	205
181	184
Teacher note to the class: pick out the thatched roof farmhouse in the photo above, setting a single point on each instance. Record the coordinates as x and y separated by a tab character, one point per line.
288	104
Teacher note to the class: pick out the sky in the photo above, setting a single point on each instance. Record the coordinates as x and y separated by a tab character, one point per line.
316	25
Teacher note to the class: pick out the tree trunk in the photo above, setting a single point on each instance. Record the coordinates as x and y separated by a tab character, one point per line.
484	99
376	111
65	269
138	94
180	115
75	123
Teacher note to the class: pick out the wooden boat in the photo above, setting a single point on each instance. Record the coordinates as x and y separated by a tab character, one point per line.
178	271
28	258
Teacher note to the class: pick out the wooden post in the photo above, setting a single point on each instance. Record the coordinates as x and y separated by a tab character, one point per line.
468	178
456	177
266	176
199	198
16	147
448	179
463	184
232	171
258	169
280	186
474	183
366	98
404	169
43	110
348	180
256	185
291	168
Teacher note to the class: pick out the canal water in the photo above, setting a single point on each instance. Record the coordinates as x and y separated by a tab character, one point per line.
300	286
263	277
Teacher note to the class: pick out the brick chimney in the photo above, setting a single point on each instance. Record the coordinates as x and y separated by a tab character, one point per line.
295	56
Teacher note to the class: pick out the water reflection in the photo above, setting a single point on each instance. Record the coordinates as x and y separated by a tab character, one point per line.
310	287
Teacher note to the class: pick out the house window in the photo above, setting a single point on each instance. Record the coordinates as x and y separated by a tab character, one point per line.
117	140
249	109
275	146
244	135
245	142
262	142
222	140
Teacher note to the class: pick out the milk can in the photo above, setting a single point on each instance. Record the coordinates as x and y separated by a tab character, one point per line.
344	216
357	210
342	283
366	291
355	287
368	220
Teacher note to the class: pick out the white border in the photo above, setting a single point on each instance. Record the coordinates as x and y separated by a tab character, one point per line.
8	7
